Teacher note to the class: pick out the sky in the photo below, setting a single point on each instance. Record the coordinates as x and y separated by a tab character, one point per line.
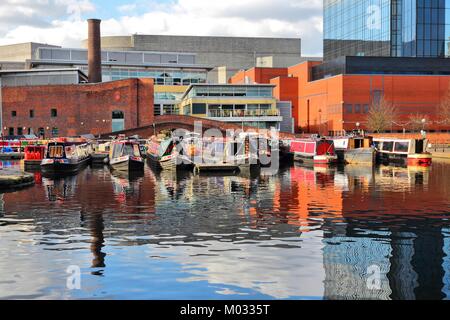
63	22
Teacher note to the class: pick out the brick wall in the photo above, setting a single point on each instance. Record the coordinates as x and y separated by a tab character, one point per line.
81	109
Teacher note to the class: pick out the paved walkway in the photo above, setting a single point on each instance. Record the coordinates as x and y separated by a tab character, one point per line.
10	179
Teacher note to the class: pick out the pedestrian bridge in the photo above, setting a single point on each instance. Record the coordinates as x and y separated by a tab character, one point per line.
173	122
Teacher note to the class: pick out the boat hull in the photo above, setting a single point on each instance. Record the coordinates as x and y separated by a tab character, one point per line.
32	164
315	160
11	156
128	165
424	160
59	168
100	158
364	156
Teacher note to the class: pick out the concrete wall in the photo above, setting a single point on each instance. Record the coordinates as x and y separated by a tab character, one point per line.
233	52
20	52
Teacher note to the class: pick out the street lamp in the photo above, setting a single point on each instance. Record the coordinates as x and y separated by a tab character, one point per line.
423	128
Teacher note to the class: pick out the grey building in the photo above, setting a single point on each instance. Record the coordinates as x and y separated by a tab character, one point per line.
230	53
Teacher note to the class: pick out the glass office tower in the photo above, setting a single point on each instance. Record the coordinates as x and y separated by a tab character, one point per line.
389	28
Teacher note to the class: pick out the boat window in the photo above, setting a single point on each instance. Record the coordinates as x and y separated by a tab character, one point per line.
401	147
388	146
128	150
56	151
137	151
117	151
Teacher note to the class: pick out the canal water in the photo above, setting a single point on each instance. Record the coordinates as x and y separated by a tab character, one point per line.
353	233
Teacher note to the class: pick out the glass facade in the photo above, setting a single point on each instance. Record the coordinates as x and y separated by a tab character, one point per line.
396	28
169	77
231	91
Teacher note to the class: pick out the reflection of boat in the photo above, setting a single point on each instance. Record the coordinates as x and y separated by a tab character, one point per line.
403	151
355	150
125	155
313	151
34	156
67	157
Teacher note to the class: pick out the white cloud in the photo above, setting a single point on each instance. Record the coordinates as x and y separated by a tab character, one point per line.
282	18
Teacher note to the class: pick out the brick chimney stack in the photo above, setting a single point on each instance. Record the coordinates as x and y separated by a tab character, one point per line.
94	51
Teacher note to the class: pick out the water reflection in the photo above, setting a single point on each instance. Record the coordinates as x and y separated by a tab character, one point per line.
304	233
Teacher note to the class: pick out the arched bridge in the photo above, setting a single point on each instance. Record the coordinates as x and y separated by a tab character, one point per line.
173	122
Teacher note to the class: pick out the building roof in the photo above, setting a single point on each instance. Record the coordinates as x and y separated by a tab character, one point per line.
82	77
257	85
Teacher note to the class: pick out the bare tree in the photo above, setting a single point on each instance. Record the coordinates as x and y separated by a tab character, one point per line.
418	122
444	107
381	116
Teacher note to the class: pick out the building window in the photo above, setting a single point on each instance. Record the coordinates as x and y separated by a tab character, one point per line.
357	108
11	131
157	110
54	113
348	108
13	114
20	131
366	108
55	132
31	113
199	108
118	121
41	132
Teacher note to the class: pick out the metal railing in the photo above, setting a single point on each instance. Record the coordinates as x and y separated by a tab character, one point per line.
242	113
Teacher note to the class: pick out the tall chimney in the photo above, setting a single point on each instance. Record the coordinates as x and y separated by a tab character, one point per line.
94	51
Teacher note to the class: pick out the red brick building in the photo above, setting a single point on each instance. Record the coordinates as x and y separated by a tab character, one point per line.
75	109
333	104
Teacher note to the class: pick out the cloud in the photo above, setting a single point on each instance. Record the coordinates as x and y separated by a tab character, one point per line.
260	18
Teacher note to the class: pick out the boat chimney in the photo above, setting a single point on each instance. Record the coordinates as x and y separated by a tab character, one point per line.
94	51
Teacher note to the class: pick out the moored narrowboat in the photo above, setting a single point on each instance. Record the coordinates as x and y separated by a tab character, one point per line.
313	151
411	152
34	156
125	156
11	150
355	150
66	157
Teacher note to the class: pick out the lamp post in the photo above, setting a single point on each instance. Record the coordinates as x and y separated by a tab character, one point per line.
424	134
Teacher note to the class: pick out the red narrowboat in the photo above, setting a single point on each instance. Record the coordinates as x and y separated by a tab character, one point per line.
314	151
34	156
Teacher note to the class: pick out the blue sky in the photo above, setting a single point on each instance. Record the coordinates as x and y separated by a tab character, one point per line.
63	22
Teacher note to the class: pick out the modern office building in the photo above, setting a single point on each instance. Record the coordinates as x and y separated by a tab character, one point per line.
226	55
249	105
388	28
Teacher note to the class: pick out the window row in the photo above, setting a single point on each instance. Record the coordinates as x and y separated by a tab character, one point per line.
31	114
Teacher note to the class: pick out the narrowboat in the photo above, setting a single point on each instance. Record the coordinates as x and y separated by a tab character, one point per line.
101	153
169	153
125	156
355	150
313	151
34	156
11	150
411	152
65	157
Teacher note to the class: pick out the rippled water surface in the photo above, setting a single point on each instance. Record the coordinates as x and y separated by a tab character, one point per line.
353	233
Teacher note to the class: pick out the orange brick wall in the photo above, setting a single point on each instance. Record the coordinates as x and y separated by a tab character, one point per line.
82	109
287	90
258	75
